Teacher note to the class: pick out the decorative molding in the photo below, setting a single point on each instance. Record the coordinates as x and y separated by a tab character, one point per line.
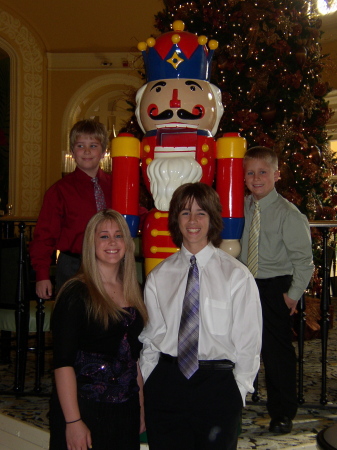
26	116
93	61
87	94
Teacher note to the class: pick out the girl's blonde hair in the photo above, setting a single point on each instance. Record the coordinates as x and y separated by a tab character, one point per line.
99	303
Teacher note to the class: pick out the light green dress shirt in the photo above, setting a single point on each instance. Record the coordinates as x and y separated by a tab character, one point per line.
284	243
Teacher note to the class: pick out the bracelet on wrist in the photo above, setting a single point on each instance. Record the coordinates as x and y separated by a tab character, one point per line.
73	421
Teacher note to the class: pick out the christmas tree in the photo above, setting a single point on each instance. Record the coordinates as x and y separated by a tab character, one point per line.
268	67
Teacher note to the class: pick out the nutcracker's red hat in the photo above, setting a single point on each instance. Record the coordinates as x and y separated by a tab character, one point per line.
178	54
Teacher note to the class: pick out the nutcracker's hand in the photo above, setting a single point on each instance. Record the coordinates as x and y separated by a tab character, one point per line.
231	246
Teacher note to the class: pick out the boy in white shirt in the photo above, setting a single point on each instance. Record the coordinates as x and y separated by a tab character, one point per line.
200	409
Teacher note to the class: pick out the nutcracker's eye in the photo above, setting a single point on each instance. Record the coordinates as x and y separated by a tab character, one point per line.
193	85
158	86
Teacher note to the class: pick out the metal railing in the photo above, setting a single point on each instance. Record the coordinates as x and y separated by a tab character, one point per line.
10	227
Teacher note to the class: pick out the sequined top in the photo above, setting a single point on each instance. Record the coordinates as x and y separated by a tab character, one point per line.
105	361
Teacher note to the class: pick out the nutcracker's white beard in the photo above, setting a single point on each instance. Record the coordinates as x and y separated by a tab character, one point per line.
167	174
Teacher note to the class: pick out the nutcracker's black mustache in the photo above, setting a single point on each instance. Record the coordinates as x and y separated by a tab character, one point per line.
167	114
181	113
186	115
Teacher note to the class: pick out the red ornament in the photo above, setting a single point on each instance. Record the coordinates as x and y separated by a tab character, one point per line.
286	179
297	29
264	140
293	196
297	158
315	155
320	89
301	54
298	115
328	213
268	113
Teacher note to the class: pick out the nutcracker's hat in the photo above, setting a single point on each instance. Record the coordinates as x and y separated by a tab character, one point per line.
178	54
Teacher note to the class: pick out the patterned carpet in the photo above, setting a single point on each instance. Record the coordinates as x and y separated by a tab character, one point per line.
311	418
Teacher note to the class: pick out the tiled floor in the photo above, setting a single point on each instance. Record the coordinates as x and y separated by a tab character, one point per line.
311	418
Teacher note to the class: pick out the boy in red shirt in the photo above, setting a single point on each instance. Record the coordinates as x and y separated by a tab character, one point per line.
67	207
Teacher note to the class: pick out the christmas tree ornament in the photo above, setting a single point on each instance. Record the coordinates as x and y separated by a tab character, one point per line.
268	112
298	114
301	54
315	154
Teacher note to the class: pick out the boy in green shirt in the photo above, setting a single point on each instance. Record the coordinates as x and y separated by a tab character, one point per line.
281	263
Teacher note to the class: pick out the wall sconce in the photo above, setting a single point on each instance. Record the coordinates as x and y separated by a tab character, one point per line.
69	165
105	163
326	6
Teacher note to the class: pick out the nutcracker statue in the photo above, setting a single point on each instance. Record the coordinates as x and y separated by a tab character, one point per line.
179	111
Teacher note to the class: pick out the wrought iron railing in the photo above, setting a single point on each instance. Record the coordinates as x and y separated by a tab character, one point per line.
10	226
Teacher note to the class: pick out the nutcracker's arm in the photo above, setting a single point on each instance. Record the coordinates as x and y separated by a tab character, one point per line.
125	154
230	151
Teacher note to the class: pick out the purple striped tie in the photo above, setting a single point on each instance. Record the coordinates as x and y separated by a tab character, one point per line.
99	195
189	324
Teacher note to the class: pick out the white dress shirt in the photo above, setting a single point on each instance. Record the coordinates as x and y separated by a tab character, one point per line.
230	320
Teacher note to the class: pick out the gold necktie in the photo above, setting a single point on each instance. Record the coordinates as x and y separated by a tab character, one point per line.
253	243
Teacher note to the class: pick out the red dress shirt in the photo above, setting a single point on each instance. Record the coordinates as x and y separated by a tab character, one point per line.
67	207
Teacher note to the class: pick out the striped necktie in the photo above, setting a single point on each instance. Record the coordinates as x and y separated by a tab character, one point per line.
99	195
253	243
188	336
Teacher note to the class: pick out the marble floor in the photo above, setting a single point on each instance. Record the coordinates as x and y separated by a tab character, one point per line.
311	418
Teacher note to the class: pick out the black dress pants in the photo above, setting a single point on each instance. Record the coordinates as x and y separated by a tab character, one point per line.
203	412
67	266
112	426
278	352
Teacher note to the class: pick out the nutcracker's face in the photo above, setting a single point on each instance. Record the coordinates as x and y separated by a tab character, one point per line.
179	101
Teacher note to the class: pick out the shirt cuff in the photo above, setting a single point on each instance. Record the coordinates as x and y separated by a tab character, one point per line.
294	293
146	366
243	392
245	385
42	274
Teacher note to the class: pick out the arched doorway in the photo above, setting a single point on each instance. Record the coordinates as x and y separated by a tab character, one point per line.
104	99
27	113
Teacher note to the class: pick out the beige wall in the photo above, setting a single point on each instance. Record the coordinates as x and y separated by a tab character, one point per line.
41	113
28	112
330	71
64	87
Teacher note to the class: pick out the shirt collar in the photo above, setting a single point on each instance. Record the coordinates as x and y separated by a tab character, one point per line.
202	257
99	174
87	177
265	201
